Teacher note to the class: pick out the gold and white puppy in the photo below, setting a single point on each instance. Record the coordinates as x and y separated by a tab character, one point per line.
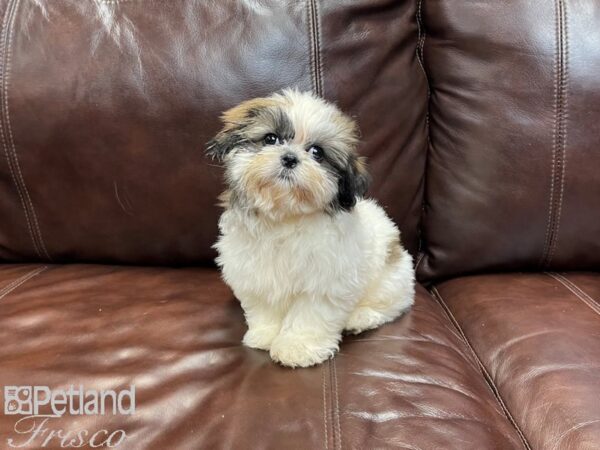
304	253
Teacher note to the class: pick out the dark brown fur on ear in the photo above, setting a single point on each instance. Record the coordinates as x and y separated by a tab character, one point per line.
223	143
353	182
234	121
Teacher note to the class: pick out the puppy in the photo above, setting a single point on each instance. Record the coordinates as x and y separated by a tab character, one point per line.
304	253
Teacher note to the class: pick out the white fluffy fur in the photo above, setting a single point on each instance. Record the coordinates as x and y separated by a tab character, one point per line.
302	282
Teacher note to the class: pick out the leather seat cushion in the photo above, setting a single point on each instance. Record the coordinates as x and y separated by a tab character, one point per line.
175	334
538	337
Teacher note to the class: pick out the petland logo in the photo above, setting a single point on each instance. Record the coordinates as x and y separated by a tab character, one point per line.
40	405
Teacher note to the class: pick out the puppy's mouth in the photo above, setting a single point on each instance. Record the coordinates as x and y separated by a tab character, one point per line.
287	175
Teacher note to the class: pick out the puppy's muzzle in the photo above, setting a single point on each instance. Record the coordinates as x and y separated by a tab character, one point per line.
289	160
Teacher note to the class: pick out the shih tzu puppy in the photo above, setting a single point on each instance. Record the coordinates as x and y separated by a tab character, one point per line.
305	254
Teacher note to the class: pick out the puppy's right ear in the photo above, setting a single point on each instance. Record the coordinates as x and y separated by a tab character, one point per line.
225	141
235	120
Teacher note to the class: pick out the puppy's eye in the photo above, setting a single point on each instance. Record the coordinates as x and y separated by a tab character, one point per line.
271	139
316	152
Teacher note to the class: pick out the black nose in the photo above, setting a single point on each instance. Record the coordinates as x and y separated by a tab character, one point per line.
289	160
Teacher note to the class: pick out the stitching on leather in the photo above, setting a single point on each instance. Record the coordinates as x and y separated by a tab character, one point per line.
421	58
554	132
559	134
12	141
421	36
20	281
577	291
324	383
482	368
9	286
315	46
319	54
309	17
7	135
337	405
5	27
332	408
563	122
420	52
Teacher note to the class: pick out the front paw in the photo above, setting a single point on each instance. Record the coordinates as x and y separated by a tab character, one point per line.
364	318
297	350
260	337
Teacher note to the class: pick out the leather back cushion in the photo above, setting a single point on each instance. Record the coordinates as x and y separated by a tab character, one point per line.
513	170
106	106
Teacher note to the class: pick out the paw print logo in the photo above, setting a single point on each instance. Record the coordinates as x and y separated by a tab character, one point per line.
18	400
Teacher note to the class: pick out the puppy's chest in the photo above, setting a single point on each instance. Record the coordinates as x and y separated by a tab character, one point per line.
294	255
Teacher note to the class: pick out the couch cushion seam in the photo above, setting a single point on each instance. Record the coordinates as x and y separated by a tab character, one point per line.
553	165
4	135
331	407
420	53
8	138
325	424
319	50
564	80
20	281
336	405
11	282
421	36
576	290
482	368
557	176
315	47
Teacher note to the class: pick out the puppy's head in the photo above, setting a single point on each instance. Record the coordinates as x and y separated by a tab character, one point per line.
290	154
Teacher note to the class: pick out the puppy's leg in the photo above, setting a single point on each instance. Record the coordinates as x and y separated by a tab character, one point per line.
311	332
264	322
391	294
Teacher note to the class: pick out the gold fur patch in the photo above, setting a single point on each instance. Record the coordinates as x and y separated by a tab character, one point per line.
239	114
361	166
224	199
394	252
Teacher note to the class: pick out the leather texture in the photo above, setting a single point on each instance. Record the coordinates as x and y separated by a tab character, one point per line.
107	105
175	334
537	339
514	117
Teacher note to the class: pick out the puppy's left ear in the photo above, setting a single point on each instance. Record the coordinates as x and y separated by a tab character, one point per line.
353	183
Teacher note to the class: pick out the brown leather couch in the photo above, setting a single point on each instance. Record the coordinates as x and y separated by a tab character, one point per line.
481	121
